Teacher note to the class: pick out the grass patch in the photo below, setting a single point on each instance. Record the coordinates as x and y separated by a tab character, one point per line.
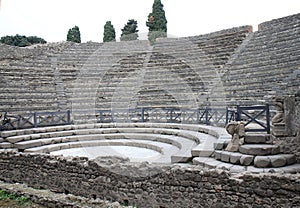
19	199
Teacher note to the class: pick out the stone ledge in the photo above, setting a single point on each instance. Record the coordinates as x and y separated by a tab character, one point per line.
216	164
259	149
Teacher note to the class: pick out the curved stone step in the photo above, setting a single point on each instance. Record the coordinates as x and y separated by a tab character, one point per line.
259	149
279	160
266	161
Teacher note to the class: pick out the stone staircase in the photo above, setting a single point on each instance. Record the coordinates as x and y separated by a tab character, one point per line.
258	151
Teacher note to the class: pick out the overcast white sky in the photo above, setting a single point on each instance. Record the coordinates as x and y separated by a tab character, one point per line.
51	19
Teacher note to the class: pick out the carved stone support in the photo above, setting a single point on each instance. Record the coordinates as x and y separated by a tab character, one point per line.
237	131
284	120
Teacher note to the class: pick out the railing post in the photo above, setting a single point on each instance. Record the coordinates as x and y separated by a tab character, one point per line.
227	116
52	118
19	121
238	116
35	120
69	117
101	116
143	114
171	116
268	118
112	116
206	116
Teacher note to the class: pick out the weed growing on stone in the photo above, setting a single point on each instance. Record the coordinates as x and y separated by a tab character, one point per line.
20	199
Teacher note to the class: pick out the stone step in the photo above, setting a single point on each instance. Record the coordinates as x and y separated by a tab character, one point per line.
234	158
259	149
256	138
274	160
237	158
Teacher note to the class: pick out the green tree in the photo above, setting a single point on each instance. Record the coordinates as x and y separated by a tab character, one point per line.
74	35
157	22
8	40
109	34
129	32
35	40
21	40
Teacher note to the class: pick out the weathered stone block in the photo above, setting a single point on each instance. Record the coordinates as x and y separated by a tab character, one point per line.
290	158
6	145
225	156
235	157
255	138
218	145
277	160
246	159
218	155
262	161
259	149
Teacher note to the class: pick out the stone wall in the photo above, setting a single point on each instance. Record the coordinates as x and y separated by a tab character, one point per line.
289	138
170	186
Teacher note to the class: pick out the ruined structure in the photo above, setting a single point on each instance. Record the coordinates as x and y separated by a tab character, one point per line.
161	85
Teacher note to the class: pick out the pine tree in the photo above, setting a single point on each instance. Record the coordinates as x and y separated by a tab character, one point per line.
109	32
74	35
129	32
157	22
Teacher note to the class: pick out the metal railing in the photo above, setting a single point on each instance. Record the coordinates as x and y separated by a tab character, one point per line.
206	115
256	118
37	119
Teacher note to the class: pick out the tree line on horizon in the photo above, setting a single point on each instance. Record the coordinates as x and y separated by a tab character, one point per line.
157	25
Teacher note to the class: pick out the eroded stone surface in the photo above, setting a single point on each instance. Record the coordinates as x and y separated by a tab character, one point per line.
259	149
262	161
235	157
246	160
277	160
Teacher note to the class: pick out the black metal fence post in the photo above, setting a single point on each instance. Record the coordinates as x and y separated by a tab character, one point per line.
35	120
171	116
143	114
69	117
238	113
206	116
268	118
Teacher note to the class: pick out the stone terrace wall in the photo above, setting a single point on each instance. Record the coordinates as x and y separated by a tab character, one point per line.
291	143
268	65
224	68
188	186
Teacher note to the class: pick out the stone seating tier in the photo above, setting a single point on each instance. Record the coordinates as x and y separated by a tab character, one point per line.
187	141
233	64
268	63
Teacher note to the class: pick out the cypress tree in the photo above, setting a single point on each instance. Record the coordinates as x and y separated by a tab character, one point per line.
109	32
157	22
74	35
129	32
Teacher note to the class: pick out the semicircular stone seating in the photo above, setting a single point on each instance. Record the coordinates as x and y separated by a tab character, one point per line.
172	142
